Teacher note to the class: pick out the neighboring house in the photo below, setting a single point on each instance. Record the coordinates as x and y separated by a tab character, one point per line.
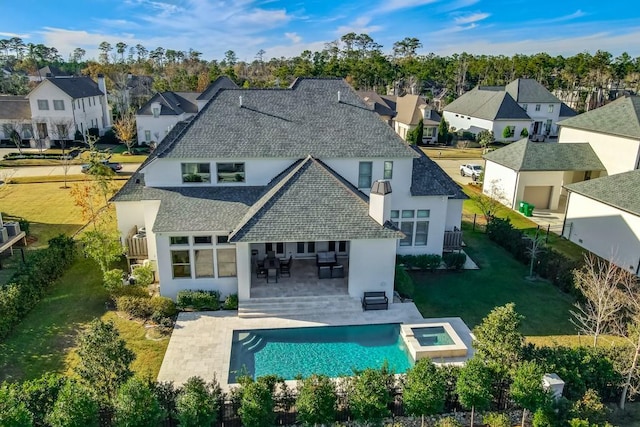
294	171
522	104
160	114
384	105
15	114
535	172
47	71
603	216
138	90
63	105
613	131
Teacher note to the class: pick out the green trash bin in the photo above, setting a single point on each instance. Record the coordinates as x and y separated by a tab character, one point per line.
529	211
521	209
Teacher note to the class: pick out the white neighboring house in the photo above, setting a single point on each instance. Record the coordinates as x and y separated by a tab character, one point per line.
15	114
60	104
603	216
289	171
156	118
523	104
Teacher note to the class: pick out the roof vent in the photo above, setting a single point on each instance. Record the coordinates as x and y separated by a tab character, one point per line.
338	96
240	100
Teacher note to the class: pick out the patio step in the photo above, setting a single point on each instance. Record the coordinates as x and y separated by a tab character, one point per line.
298	306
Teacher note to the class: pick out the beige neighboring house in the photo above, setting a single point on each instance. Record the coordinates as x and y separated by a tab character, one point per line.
384	105
15	114
410	109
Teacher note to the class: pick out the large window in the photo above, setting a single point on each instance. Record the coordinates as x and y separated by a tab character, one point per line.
181	264
227	263
7	129
147	136
407	228
550	108
43	104
230	172
411	221
27	131
58	104
388	170
547	126
196	172
156	112
204	262
422	233
364	174
537	107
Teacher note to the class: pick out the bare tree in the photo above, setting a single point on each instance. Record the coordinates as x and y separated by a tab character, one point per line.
125	129
629	328
61	128
600	282
492	201
537	245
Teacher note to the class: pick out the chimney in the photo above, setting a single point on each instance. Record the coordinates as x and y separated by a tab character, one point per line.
106	113
379	200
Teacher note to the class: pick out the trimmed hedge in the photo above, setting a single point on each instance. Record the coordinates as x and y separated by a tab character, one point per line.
424	262
147	308
454	260
29	283
198	300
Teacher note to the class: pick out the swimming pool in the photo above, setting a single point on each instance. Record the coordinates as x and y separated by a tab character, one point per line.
331	350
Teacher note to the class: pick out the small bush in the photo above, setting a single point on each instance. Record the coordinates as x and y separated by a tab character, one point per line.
454	260
230	302
198	300
428	262
131	291
144	275
163	307
448	422
113	279
24	225
403	283
139	307
494	419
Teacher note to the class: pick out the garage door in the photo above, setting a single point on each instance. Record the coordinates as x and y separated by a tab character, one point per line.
538	196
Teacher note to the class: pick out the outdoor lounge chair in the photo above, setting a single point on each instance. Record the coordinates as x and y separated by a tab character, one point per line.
272	273
260	270
285	267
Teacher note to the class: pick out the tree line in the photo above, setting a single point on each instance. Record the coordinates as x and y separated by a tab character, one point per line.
355	57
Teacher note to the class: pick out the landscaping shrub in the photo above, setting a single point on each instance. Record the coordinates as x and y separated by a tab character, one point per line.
317	400
76	406
198	300
113	280
131	291
230	302
109	137
428	262
448	422
196	405
256	405
494	419
24	225
137	405
49	156
369	395
139	307
454	260
143	275
403	282
163	307
40	395
13	412
29	283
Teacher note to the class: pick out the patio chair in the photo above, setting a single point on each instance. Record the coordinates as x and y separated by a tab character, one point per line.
285	267
337	271
324	272
272	273
260	270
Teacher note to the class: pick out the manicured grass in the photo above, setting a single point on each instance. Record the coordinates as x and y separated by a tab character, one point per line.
121	176
471	294
452	153
44	340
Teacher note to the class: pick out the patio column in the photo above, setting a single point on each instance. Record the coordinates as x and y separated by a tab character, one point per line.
243	264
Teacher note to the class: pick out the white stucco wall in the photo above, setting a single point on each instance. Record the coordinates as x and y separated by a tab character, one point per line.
499	125
160	125
546	178
372	266
169	287
128	215
543	115
604	230
460	121
617	154
437	206
77	112
454	214
243	260
503	179
150	208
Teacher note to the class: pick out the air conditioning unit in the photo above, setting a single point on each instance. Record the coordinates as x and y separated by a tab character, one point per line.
4	236
13	228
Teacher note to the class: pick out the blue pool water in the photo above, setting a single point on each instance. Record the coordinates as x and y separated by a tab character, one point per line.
432	335
331	350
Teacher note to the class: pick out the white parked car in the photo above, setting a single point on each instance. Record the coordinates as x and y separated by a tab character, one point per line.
471	170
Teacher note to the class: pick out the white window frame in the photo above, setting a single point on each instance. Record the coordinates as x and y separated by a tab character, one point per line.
362	176
538	107
43	104
58	104
550	110
388	171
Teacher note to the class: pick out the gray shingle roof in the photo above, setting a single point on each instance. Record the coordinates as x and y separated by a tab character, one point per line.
488	103
524	155
380	105
619	190
566	111
222	82
14	108
428	179
305	119
309	201
171	104
530	91
76	87
620	117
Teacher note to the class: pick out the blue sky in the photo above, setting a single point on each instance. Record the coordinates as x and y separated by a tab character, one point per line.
286	28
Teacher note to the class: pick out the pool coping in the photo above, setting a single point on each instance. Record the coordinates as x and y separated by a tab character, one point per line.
200	344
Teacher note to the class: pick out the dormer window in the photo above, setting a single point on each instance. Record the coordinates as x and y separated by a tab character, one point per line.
156	112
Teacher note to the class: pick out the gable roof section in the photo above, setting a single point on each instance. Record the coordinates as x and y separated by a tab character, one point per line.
619	190
490	103
524	155
407	108
309	201
380	105
566	111
620	117
305	119
171	104
14	108
428	179
530	91
75	87
222	82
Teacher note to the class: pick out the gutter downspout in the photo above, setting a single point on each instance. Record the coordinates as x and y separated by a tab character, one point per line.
564	222
514	201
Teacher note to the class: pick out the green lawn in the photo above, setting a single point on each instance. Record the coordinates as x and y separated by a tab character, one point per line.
452	152
44	340
471	294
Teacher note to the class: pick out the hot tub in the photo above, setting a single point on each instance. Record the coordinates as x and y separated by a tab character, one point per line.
433	340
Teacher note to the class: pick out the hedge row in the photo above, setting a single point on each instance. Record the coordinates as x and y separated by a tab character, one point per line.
432	262
550	264
17	156
29	283
199	300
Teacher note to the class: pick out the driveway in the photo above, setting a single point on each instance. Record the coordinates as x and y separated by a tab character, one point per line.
452	168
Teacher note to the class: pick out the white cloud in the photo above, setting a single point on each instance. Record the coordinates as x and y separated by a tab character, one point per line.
294	37
577	14
359	26
22	36
67	40
455	5
392	5
290	50
468	19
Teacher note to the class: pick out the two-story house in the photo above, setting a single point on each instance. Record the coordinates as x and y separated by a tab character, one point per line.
60	106
294	172
156	118
523	107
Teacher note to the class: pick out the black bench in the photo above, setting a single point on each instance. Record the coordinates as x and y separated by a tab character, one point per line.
376	300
